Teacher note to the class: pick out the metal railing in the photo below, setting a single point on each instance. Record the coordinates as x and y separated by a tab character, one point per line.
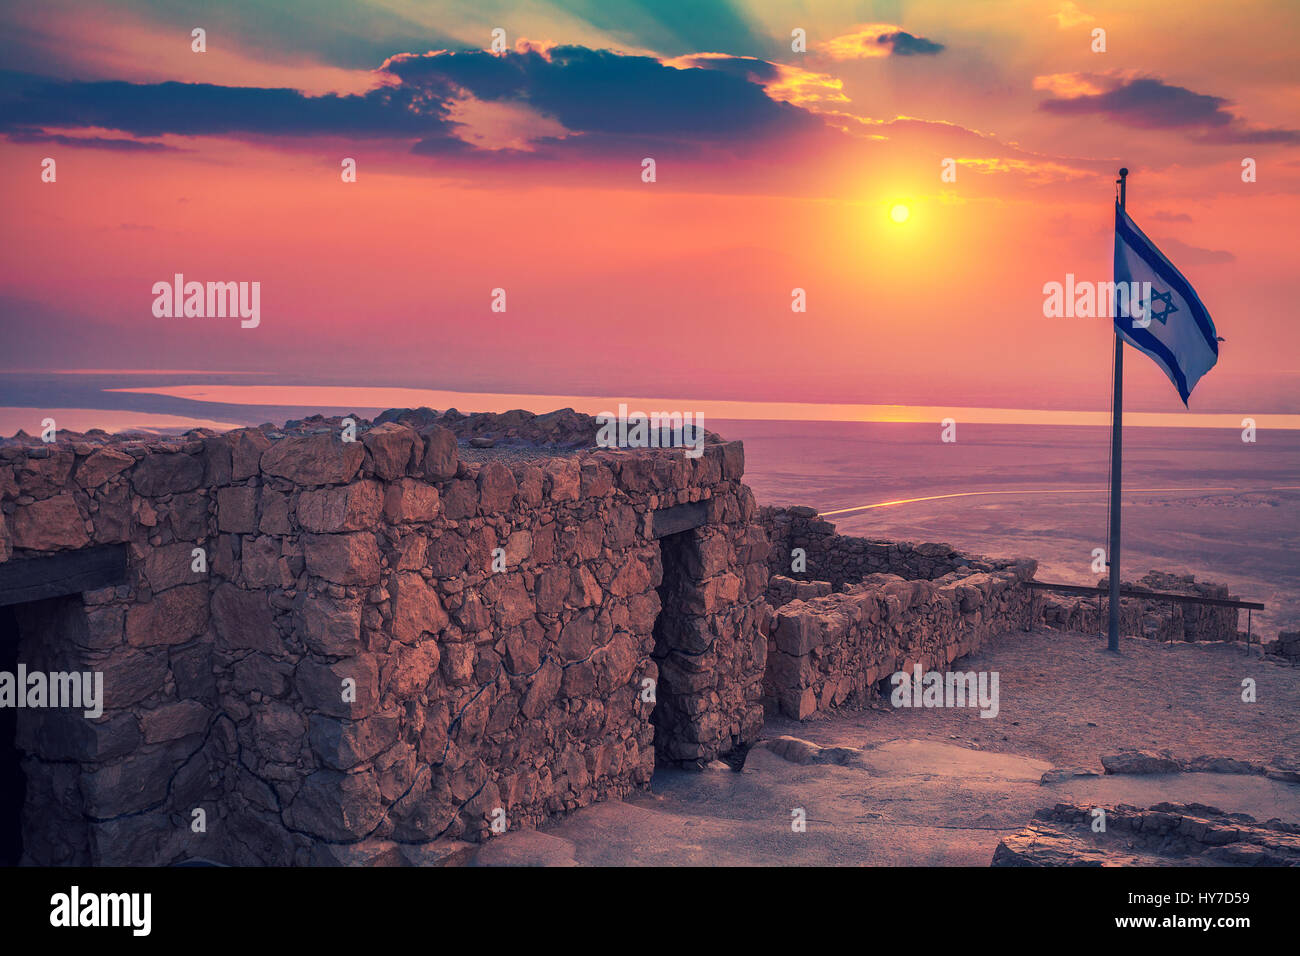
1172	597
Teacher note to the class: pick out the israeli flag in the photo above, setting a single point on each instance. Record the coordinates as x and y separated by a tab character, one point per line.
1172	325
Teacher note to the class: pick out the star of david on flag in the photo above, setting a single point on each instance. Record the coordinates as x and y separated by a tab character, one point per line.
1176	330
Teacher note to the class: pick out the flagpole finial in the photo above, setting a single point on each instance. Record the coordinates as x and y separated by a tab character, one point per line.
1123	172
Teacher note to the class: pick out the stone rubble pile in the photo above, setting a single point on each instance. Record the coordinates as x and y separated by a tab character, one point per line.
560	429
1164	835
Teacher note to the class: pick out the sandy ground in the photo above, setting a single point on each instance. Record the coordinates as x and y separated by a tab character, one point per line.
940	787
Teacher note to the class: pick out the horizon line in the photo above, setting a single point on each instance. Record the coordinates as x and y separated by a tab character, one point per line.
354	397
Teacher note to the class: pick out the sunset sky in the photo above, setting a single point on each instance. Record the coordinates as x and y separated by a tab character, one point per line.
775	170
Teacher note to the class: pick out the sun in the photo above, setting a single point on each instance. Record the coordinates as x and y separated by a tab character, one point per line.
899	213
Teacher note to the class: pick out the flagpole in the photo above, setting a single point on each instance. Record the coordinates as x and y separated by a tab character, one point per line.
1116	465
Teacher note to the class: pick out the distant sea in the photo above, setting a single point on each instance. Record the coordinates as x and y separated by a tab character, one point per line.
1197	500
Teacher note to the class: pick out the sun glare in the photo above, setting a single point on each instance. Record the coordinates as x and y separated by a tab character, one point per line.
899	213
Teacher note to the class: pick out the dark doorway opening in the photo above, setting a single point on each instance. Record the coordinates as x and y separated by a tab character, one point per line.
13	784
671	632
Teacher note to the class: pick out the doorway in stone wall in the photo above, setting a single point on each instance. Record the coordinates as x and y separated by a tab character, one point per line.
13	785
670	716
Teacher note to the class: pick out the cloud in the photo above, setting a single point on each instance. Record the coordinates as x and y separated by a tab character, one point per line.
979	152
1033	170
904	44
751	68
1147	102
1244	135
876	40
22	135
571	107
1069	15
1071	85
780	81
204	109
599	91
534	98
1190	255
500	125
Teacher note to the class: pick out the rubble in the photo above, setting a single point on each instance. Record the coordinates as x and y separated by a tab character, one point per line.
1164	835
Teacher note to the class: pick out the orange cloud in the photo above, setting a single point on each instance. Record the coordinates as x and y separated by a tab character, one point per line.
1070	85
789	84
876	40
1037	171
805	88
1069	15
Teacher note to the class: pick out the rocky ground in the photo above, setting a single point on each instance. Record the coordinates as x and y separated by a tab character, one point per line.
1166	834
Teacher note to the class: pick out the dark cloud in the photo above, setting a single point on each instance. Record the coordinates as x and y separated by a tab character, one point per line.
20	135
1242	135
202	109
748	68
903	43
879	39
1150	103
596	91
605	100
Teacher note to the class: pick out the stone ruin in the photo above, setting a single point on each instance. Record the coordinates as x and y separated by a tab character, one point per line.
885	607
1287	646
834	562
378	650
1152	618
1166	834
324	645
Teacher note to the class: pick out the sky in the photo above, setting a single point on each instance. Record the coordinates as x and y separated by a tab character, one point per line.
783	135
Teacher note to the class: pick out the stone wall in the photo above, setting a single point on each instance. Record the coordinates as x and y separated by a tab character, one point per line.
832	650
346	660
1286	646
836	561
844	559
781	590
1149	617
